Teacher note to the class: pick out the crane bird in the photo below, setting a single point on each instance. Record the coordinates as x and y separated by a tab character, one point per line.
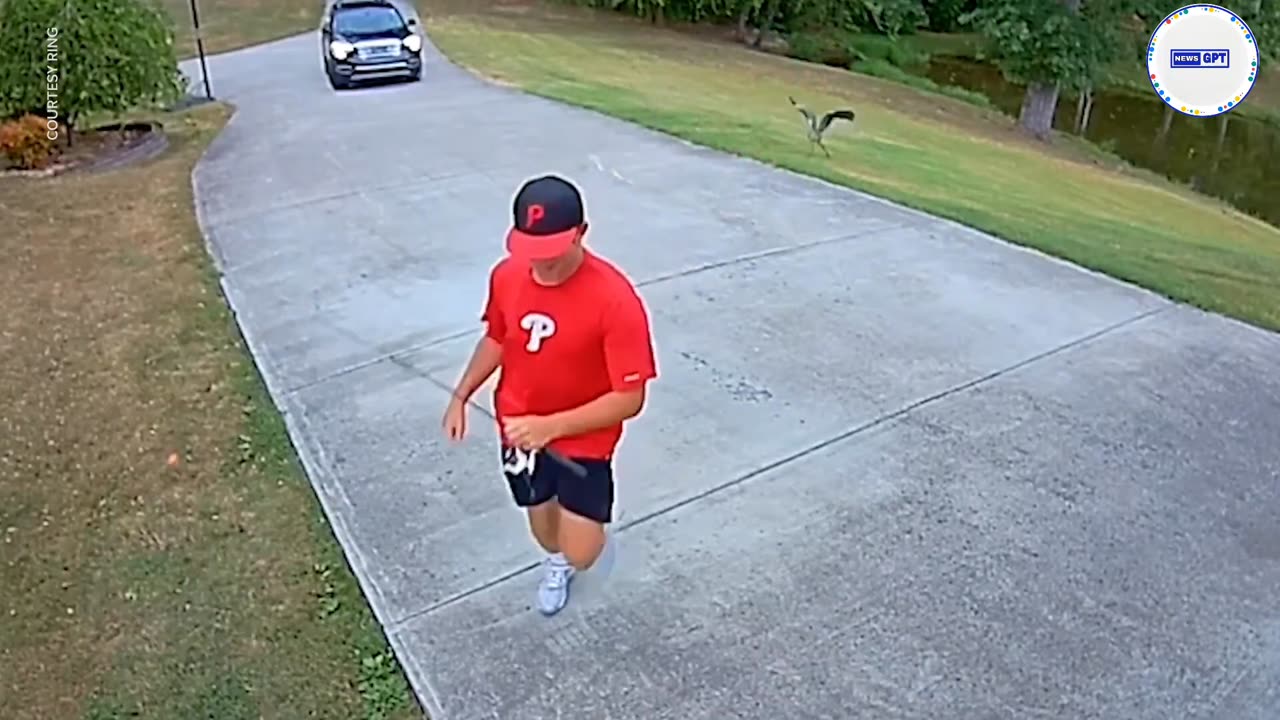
818	127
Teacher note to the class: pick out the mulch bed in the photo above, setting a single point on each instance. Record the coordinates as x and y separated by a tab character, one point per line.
104	148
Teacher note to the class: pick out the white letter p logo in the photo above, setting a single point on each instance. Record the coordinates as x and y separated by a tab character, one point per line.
540	328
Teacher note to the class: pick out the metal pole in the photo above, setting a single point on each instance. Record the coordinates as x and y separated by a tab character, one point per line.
204	69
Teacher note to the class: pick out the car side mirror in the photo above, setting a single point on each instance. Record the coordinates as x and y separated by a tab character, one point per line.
413	24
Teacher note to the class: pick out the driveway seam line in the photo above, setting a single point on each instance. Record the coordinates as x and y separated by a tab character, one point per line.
770	252
317	199
896	414
348	369
821	445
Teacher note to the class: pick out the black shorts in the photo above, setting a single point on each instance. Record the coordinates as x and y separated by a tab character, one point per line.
535	479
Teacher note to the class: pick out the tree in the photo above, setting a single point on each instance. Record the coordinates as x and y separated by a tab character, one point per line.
888	17
1050	46
944	15
65	59
1263	18
895	17
746	8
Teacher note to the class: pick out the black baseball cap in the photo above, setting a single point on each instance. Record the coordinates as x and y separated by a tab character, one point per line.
545	218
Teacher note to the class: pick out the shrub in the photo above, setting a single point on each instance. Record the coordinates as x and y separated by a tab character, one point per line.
886	70
895	17
879	47
828	48
85	57
944	15
26	142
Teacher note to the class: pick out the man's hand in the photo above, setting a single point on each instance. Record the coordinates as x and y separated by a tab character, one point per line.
531	432
455	420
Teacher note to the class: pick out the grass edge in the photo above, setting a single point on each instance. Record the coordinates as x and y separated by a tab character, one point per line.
254	384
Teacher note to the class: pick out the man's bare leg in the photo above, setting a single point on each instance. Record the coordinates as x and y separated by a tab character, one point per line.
580	539
572	528
575	547
544	523
553	589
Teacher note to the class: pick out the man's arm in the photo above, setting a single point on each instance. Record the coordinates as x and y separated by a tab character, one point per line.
487	356
485	359
628	352
606	410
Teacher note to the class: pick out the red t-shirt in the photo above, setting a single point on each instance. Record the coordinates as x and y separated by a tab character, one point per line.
566	345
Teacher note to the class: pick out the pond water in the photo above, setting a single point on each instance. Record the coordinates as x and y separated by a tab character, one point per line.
1231	157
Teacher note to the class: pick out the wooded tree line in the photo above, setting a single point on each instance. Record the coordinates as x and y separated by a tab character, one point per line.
1050	46
888	17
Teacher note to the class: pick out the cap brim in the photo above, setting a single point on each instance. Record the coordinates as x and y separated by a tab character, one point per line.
539	247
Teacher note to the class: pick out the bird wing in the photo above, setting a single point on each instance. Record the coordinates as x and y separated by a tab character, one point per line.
807	115
835	115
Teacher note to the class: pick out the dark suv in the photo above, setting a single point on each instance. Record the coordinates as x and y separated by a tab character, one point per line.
368	39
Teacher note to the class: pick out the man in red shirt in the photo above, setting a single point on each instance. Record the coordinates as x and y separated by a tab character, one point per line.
572	337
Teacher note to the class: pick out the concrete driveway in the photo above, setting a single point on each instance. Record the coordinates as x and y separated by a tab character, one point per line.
893	468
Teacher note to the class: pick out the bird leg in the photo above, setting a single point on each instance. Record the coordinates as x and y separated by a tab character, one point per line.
824	148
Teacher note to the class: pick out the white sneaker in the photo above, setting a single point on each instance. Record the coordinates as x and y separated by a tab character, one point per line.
553	590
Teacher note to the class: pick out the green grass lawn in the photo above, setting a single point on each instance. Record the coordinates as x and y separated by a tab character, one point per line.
163	556
923	150
233	24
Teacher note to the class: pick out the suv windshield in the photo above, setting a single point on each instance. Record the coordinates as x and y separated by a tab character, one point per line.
370	20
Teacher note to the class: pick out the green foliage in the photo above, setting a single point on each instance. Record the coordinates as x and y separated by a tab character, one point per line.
888	17
1047	42
381	685
1263	18
88	56
894	51
828	48
888	71
944	15
23	66
895	17
820	16
684	10
843	49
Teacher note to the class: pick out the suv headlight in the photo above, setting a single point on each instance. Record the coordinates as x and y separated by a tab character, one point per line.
413	43
340	50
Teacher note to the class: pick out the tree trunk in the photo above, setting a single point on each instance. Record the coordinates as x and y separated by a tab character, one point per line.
1084	110
767	15
1088	110
1038	107
1217	149
656	16
743	16
1041	101
1165	124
